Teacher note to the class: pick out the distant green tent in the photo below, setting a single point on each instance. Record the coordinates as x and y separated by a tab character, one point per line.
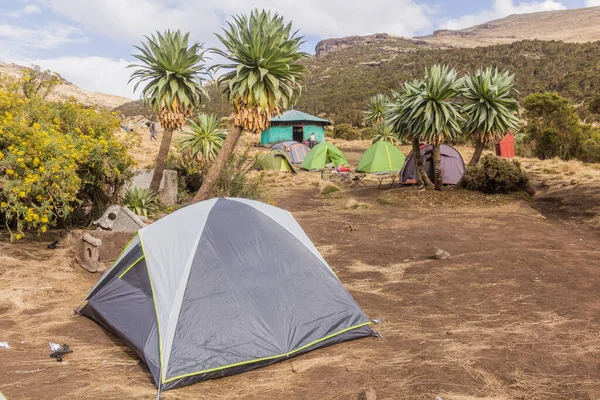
277	160
322	154
381	157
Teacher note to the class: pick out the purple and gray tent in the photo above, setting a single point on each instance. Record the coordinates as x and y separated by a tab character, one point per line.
221	287
453	166
296	150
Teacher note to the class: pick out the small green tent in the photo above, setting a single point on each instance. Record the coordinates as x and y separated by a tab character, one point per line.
381	157
277	160
322	154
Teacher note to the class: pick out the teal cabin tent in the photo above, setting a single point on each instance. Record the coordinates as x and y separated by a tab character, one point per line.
294	125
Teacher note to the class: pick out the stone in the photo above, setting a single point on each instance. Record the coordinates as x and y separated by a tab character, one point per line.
441	254
86	237
367	394
168	190
119	219
93	257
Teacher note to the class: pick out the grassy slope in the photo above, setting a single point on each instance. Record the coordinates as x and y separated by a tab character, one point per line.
339	85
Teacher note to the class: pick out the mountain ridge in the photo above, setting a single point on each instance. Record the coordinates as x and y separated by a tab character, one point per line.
579	25
67	89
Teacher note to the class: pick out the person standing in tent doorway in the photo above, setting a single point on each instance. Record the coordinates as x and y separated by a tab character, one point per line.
311	140
152	128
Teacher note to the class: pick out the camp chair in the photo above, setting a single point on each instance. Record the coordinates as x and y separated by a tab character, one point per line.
341	173
383	175
357	179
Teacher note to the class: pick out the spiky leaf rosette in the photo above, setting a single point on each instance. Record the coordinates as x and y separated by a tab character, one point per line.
384	133
431	112
491	110
172	72
376	108
205	140
263	75
399	109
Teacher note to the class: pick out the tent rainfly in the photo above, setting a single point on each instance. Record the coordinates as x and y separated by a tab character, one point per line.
219	288
453	166
381	157
277	160
296	151
322	154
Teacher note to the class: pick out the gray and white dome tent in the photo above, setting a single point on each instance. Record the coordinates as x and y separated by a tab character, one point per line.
221	287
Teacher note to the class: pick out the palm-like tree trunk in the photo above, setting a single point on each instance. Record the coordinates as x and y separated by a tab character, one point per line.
161	159
218	165
421	175
479	147
437	166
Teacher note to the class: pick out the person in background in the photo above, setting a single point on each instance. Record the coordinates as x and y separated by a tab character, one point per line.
152	128
311	140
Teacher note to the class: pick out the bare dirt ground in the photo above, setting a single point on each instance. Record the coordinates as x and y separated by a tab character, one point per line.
512	314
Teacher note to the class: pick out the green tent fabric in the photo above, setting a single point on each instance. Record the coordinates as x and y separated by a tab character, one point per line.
277	160
322	154
381	157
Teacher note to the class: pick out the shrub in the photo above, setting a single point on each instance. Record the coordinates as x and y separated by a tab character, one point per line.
345	132
141	201
554	130
235	180
367	133
59	162
328	189
497	175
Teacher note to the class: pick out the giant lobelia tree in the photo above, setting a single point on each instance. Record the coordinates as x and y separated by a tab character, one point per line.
490	110
172	72
397	114
433	112
263	79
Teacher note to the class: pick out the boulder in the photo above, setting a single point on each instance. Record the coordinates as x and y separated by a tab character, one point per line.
441	254
119	219
168	191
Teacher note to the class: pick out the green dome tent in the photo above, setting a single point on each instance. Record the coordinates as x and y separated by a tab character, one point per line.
381	157
322	154
277	160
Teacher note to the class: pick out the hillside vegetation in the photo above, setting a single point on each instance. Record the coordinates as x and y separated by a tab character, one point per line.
340	83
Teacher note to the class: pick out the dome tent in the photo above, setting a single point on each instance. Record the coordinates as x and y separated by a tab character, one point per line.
322	154
381	157
296	151
277	160
453	166
221	287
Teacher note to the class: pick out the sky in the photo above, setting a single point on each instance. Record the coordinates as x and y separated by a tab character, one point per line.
90	42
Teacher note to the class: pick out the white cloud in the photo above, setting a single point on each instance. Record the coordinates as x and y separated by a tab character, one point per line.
29	9
50	36
130	19
501	9
592	3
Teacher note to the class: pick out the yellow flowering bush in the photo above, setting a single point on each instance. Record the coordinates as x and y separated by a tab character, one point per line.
57	161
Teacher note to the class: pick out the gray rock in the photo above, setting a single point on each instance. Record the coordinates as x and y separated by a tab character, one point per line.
119	219
367	394
91	240
168	190
441	254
